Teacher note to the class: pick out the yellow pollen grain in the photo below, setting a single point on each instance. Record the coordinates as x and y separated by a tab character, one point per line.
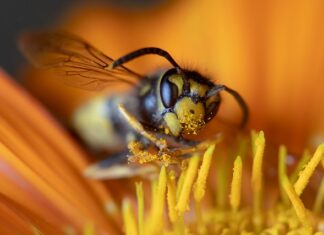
139	155
259	145
129	220
282	171
140	209
305	175
171	198
235	194
183	201
200	185
297	204
155	224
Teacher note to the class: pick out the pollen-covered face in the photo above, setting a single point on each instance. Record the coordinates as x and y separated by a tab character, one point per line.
187	108
190	115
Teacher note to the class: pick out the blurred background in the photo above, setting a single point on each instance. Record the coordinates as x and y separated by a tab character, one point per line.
17	16
271	52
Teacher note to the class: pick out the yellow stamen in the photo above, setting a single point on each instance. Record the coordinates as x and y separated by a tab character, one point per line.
259	145
309	170
140	205
297	204
183	202
235	195
282	171
200	185
300	166
319	233
289	218
129	220
172	197
155	223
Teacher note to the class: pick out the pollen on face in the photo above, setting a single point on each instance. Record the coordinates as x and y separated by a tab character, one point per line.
191	124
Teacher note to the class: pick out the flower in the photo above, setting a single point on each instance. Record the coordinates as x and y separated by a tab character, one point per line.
42	188
287	215
272	53
43	192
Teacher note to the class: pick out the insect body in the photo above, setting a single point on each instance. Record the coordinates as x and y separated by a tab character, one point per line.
159	108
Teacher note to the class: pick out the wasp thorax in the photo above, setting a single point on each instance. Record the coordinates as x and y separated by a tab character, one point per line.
190	115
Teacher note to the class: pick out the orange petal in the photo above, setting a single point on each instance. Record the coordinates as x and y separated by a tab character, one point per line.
41	166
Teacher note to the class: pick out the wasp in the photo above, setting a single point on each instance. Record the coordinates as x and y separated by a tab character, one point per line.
159	108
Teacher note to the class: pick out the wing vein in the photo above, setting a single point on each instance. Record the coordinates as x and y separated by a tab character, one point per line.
82	64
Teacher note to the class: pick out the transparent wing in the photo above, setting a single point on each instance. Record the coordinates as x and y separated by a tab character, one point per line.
120	171
74	60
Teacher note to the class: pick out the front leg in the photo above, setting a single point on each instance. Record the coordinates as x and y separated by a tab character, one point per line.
179	140
167	156
199	146
141	154
142	129
139	128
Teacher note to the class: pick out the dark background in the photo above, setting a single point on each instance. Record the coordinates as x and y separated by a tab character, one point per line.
17	16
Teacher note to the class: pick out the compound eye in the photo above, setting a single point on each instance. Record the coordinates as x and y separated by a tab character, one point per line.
169	92
211	110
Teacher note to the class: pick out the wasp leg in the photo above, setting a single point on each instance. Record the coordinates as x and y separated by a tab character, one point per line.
176	139
142	155
186	142
138	127
168	155
139	152
185	151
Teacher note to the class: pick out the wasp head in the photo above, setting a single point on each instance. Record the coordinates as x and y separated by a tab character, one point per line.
189	101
